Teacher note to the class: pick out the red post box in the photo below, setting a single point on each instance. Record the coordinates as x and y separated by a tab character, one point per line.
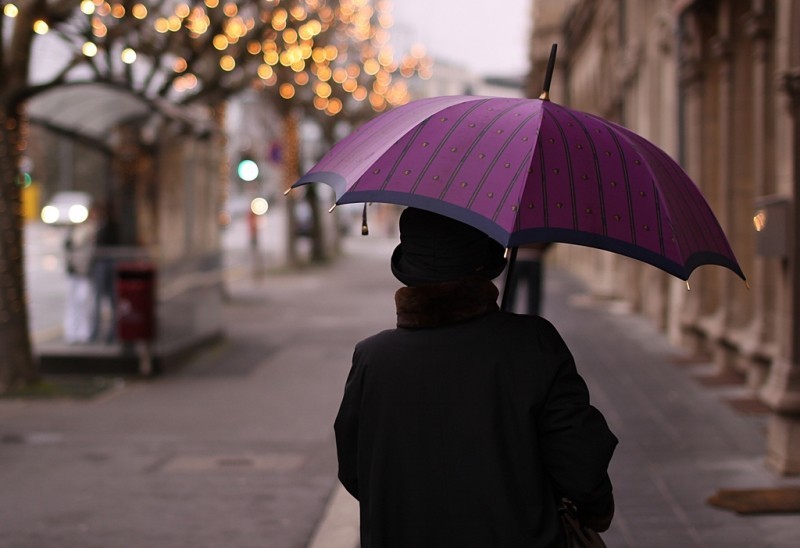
136	319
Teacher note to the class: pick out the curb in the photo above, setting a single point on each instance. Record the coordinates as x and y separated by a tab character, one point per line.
339	527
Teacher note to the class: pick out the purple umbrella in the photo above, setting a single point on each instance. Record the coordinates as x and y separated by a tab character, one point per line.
527	171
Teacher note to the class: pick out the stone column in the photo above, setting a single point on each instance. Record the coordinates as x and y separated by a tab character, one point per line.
691	73
716	324
756	342
782	388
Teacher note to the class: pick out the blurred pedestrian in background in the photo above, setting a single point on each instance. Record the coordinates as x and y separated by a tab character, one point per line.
78	251
528	271
103	274
465	426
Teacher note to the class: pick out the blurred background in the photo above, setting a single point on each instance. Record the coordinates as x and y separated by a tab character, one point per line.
174	128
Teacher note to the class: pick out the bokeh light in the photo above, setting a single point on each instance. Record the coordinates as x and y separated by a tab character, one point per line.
259	206
88	7
89	49
40	26
287	90
128	56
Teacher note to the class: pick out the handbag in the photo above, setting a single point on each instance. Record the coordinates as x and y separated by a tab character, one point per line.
576	534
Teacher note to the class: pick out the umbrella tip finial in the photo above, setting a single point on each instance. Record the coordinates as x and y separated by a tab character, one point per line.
747	285
688	287
287	191
364	226
551	65
332	208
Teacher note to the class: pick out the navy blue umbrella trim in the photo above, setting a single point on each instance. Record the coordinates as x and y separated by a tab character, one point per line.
570	236
334	180
528	236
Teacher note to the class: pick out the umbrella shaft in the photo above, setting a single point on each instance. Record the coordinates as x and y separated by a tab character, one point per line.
512	261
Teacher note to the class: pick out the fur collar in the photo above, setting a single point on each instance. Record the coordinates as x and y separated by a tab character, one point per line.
445	303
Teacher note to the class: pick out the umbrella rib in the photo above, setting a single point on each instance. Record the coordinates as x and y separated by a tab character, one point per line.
543	205
690	206
523	165
442	142
372	132
367	133
472	146
657	195
571	175
687	207
627	179
598	173
658	214
657	198
416	132
496	158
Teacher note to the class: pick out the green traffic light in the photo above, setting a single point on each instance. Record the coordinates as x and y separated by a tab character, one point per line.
24	180
247	170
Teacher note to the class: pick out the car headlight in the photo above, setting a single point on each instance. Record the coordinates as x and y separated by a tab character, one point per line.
50	214
78	213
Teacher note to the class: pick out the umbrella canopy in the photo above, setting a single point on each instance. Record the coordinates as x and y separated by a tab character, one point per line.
527	171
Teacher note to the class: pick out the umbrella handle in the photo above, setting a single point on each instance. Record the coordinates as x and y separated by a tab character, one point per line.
512	261
548	76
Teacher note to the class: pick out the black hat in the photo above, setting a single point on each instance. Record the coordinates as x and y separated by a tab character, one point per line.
434	248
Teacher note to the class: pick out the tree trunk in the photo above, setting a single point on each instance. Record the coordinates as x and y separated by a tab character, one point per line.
333	244
291	167
318	254
17	366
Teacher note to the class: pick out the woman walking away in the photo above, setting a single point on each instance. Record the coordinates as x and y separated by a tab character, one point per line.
465	426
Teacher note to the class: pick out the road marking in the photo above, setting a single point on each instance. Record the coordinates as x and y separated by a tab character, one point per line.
275	462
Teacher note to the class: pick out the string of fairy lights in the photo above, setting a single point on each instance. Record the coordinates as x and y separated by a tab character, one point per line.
332	52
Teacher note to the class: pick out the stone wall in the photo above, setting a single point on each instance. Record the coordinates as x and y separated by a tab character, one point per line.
715	84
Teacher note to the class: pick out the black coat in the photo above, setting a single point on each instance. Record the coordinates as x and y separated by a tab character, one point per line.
462	428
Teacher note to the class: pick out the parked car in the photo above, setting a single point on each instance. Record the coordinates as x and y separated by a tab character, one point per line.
68	207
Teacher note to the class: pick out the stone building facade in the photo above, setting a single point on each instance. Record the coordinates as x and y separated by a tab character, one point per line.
716	84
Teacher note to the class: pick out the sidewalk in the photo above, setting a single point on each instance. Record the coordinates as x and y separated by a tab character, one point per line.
680	438
235	449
